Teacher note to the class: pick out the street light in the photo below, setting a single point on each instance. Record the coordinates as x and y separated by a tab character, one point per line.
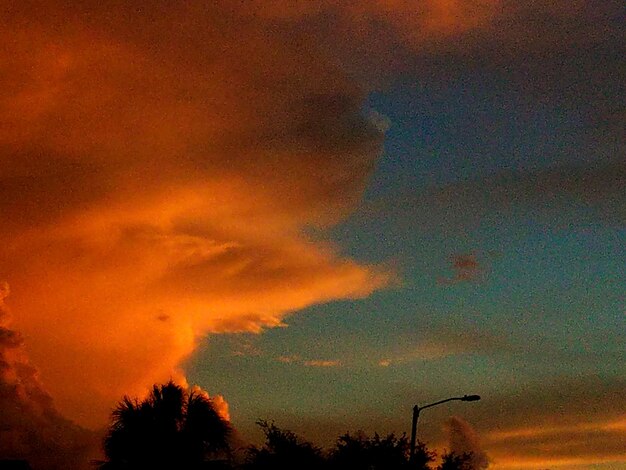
416	414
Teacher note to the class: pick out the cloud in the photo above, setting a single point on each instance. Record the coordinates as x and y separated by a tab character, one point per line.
247	349
295	359
571	421
463	439
560	447
322	363
445	341
553	196
553	72
558	51
288	359
466	268
32	429
164	165
566	422
219	403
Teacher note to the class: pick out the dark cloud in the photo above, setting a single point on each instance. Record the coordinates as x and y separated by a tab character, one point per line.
465	267
538	59
569	420
31	428
561	197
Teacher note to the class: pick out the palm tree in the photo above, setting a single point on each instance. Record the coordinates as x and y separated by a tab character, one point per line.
171	429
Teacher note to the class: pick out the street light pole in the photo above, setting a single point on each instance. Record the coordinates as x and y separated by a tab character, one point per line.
416	414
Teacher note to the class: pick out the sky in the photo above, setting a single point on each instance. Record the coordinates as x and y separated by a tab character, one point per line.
322	213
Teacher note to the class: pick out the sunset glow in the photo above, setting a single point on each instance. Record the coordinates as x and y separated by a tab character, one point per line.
322	213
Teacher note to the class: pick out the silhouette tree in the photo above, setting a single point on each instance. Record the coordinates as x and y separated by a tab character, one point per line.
171	429
389	453
453	461
283	450
422	457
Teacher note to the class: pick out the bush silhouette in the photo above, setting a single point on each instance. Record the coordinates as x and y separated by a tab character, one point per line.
375	453
283	450
452	461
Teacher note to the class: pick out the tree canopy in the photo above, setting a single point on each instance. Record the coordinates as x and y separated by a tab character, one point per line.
283	450
171	428
174	428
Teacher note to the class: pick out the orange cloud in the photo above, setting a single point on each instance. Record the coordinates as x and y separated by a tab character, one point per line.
218	402
565	446
322	363
163	165
566	424
288	359
32	428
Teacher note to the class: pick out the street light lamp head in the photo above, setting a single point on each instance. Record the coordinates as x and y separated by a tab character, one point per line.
416	413
470	397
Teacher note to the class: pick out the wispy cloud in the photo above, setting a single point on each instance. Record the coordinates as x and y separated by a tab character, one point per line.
295	359
563	424
445	342
288	359
463	439
560	446
322	363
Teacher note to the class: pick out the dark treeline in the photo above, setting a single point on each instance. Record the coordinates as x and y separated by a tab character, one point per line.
284	450
176	429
